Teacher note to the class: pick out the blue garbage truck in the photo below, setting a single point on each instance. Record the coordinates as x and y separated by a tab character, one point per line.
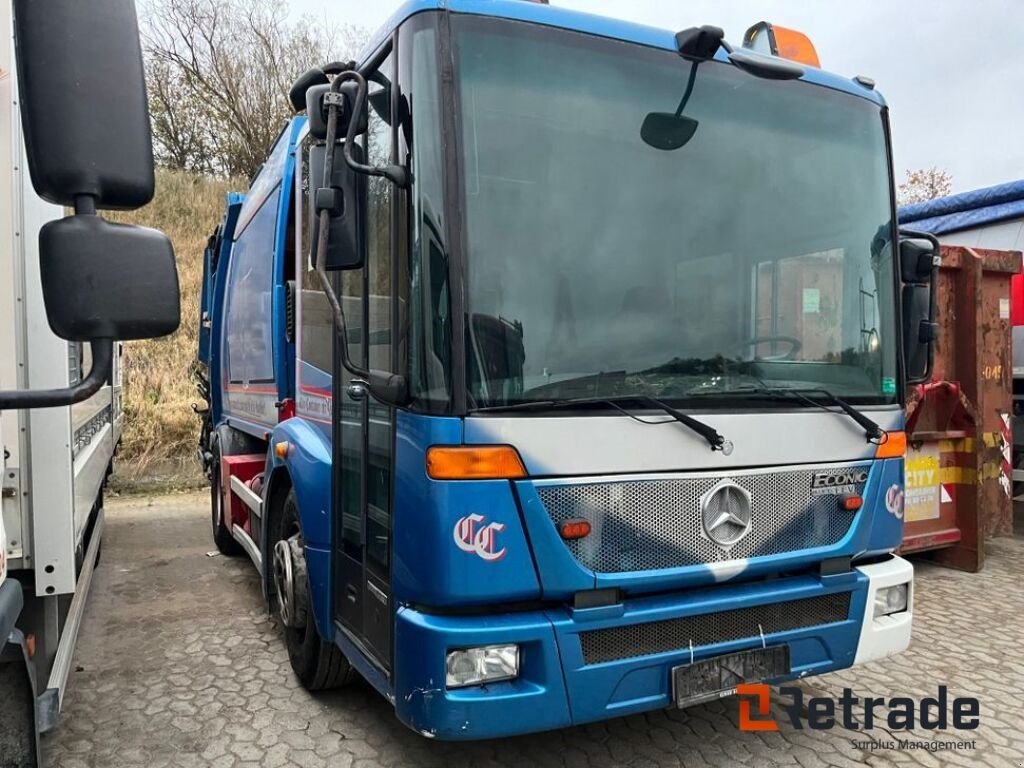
555	368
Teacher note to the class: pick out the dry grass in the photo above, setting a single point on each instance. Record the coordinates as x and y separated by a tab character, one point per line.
160	427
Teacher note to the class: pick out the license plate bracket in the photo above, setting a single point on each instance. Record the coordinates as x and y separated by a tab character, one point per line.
717	677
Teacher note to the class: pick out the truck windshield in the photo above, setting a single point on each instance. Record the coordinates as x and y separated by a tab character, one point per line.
599	265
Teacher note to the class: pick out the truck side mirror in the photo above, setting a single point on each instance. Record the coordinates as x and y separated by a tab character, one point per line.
344	198
107	281
83	101
87	136
919	260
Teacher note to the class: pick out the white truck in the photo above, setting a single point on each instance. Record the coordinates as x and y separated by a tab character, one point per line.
56	460
74	134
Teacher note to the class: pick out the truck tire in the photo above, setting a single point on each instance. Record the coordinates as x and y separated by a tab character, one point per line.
222	537
318	663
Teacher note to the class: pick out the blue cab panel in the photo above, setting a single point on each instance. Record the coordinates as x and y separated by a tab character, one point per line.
885	519
443	552
603	26
535	701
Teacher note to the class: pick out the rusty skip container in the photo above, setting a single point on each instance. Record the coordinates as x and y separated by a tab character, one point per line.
958	470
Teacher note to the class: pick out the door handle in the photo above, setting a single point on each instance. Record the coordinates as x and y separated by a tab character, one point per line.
357	389
352	593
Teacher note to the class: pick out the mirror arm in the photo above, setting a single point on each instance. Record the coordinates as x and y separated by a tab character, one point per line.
102	358
389	387
393	173
85	205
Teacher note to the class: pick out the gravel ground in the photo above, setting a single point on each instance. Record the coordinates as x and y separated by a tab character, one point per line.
179	665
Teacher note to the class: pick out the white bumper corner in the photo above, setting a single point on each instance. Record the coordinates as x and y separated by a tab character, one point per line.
886	635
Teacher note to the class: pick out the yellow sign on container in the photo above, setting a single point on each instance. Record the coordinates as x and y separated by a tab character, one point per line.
921	501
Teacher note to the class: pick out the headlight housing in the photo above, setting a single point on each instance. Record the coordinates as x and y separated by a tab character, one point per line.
485	664
894	599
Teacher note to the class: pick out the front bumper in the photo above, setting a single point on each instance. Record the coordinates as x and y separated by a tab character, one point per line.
886	635
564	681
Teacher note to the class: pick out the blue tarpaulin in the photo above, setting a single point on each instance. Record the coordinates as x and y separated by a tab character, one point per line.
966	210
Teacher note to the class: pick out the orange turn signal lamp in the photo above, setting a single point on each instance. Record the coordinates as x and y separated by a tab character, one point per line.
574	528
782	42
281	449
893	446
474	462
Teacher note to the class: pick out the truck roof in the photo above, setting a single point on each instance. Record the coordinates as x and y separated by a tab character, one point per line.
617	29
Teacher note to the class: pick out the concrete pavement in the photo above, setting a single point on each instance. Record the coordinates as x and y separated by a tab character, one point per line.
179	665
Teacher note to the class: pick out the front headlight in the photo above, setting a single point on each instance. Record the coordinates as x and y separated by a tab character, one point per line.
486	664
892	599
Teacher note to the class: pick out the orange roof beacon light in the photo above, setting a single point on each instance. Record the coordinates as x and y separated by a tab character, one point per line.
782	42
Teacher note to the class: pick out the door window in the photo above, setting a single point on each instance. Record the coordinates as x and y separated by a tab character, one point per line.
316	335
378	318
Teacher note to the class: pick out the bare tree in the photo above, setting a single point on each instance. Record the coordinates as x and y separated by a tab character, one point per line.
925	184
181	127
218	73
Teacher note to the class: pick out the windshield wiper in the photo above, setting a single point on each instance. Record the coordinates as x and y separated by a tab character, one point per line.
709	433
872	429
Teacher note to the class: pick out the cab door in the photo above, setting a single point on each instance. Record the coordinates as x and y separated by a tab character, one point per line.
364	428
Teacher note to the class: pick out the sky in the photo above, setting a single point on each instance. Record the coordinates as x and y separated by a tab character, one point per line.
951	71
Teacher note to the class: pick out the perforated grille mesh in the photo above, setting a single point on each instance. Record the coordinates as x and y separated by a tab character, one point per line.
640	525
677	634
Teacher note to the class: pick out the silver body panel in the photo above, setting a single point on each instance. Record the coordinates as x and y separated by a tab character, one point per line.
558	445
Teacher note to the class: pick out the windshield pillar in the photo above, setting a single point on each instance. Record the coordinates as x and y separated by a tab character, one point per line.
427	300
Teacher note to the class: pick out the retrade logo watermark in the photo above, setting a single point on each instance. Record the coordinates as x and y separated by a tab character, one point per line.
854	713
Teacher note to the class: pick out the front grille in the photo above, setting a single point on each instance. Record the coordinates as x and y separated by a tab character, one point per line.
677	634
648	524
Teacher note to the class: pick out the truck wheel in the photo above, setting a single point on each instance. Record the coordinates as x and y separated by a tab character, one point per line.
318	663
222	537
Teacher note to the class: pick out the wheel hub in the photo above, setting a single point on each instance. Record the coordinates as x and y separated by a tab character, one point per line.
290	581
